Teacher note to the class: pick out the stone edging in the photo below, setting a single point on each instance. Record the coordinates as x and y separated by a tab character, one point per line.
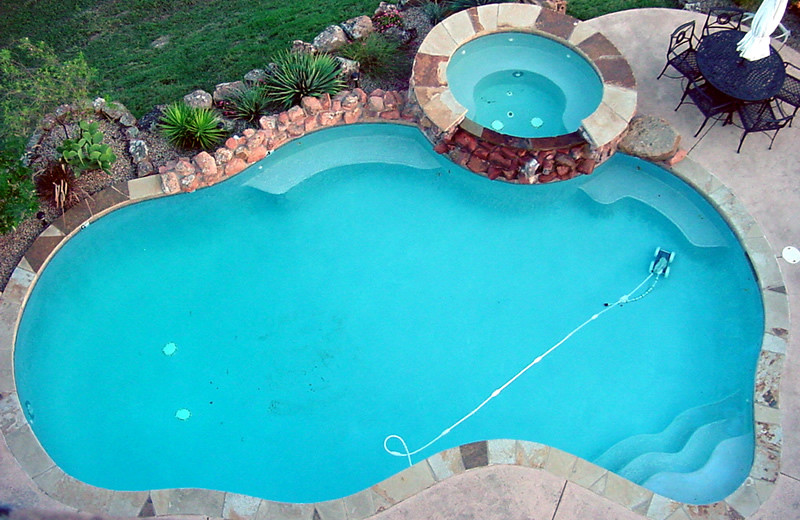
743	502
554	158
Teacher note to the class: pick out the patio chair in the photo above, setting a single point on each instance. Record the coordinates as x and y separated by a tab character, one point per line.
762	116
790	91
682	53
723	18
710	101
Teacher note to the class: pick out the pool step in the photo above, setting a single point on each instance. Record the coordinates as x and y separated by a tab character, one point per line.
672	438
728	465
675	206
691	457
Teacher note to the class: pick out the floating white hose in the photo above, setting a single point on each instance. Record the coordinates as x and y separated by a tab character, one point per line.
626	298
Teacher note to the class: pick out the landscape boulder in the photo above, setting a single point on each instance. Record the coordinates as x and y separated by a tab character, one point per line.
198	99
358	28
224	90
651	138
331	39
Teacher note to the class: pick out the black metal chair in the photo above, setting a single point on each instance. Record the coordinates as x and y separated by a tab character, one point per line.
723	18
790	91
682	53
710	101
762	116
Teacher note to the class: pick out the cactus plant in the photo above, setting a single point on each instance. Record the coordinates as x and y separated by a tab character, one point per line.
88	152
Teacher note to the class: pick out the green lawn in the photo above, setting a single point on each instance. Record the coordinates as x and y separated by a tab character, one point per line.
211	41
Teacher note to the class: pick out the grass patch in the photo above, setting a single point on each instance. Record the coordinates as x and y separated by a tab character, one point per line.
586	9
210	41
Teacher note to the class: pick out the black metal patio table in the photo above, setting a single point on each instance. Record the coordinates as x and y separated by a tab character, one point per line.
721	65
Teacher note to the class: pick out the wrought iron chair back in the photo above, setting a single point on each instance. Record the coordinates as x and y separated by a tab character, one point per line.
710	101
723	18
681	53
790	91
762	116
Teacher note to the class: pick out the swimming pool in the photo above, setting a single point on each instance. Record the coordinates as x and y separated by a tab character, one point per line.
316	314
524	85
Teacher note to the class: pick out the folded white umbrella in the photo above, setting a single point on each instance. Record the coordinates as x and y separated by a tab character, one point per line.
755	44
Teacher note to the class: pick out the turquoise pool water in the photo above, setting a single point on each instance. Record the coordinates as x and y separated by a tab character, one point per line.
524	85
353	285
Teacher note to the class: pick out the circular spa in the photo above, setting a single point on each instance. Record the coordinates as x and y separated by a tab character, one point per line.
265	335
524	85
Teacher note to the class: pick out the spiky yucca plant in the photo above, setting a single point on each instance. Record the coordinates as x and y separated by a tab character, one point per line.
300	74
248	103
190	127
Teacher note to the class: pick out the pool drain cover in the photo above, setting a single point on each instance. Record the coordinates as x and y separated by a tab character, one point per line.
537	122
183	414
497	125
169	349
517	74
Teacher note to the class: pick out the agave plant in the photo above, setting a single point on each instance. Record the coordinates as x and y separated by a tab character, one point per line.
248	103
296	75
190	127
436	10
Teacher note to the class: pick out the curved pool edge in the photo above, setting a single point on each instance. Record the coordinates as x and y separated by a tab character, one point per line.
50	479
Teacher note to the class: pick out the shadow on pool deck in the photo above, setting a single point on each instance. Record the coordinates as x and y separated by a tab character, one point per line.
764	181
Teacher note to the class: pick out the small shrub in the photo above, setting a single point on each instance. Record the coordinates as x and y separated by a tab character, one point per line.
87	152
190	127
387	20
299	74
57	184
17	193
377	55
436	10
248	104
33	81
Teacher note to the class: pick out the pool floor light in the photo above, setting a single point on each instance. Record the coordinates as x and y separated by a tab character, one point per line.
658	267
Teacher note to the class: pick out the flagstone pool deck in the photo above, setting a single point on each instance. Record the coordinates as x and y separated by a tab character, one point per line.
557	487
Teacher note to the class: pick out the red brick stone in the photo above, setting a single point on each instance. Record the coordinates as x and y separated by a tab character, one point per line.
390	114
310	124
466	141
311	105
241	152
269	123
231	143
678	157
510	174
494	172
170	182
375	104
256	154
500	160
248	132
206	165
586	166
325	101
362	96
296	114
283	119
478	165
550	177
296	130
350	102
441	147
234	166
481	152
222	156
329	118
336	105
353	116
389	100
190	183
256	139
